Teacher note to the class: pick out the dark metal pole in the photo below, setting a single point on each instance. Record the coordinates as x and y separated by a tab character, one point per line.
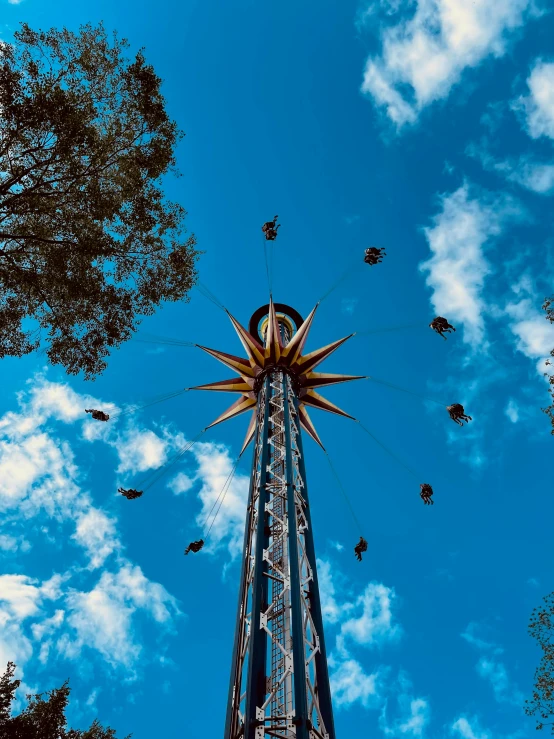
298	649
257	648
322	672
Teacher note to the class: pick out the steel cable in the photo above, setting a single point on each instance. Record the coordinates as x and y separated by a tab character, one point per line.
389	328
343	492
267	267
152	401
207	293
346	274
410	392
153	477
224	491
392	454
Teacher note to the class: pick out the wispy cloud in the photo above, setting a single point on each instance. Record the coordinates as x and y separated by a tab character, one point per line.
372	622
102	618
458	267
463	728
366	620
351	684
223	497
425	55
414	713
348	305
329	606
489	666
496	674
473	635
512	410
537	108
534	335
41	483
525	170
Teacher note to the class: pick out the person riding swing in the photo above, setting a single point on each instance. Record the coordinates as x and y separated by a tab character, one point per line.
373	255
457	414
131	493
97	415
270	229
426	493
360	547
195	546
441	326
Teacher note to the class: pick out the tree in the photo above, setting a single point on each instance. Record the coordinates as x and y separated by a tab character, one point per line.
548	306
41	719
541	628
88	242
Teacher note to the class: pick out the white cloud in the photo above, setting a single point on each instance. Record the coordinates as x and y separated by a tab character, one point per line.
512	411
96	533
534	334
535	176
350	684
38	475
21	598
181	483
472	636
463	728
524	170
20	595
140	450
13	543
490	668
424	56
375	624
496	673
48	625
214	468
367	621
331	610
414	712
102	618
538	106
457	269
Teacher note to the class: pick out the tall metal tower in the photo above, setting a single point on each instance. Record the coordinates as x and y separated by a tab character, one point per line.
279	683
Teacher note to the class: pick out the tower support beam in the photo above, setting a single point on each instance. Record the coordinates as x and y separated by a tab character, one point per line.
279	682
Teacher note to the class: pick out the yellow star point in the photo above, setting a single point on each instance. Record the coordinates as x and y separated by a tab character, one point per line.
273	356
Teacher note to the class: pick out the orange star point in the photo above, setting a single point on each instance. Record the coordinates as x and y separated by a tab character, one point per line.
275	355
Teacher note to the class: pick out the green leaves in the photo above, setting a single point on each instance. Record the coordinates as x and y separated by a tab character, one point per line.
541	629
42	718
88	241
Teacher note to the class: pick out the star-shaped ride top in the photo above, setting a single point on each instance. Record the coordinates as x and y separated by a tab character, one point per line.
277	355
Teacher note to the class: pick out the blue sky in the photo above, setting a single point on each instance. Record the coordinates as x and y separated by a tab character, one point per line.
426	127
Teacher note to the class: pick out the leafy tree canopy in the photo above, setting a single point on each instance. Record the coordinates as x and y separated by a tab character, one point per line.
88	242
43	718
541	628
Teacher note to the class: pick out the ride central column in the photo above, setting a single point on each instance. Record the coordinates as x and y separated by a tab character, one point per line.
279	681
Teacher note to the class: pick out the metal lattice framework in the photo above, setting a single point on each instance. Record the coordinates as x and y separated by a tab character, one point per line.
279	683
279	680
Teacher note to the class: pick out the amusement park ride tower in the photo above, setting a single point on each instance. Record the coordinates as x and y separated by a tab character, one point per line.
279	683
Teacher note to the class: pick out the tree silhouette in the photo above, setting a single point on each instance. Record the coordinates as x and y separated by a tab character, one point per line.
42	718
541	628
88	242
